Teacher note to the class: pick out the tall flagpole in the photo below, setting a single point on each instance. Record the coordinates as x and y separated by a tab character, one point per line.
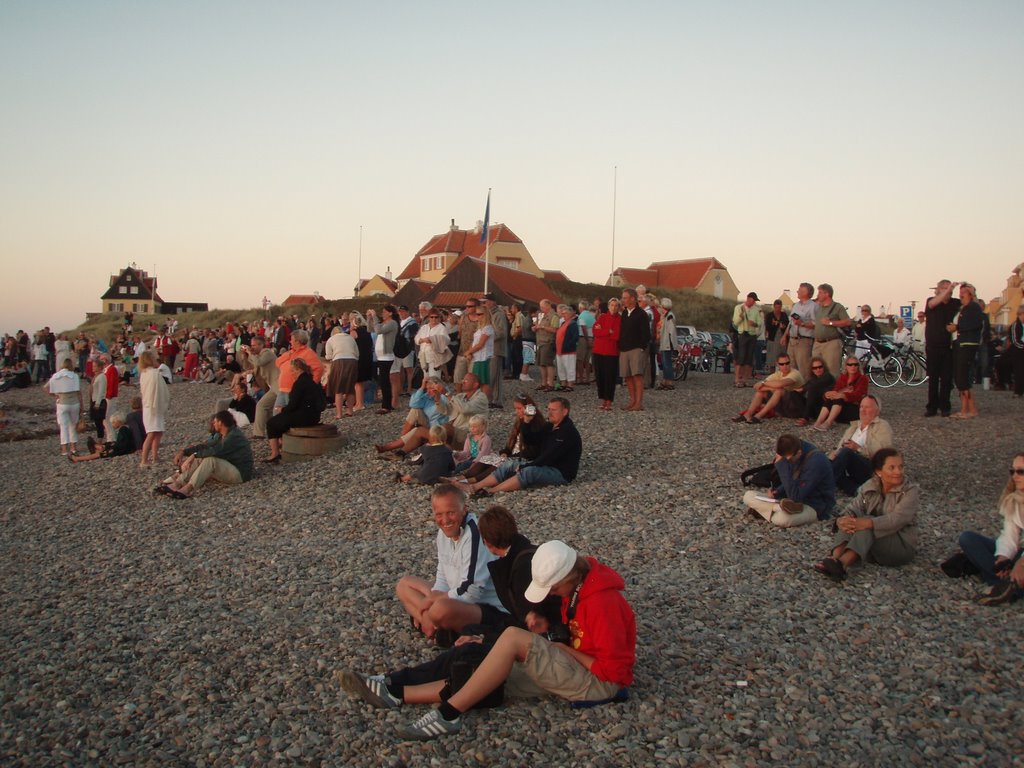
486	237
615	190
359	266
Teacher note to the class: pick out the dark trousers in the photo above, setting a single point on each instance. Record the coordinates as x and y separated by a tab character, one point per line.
516	347
606	371
1017	359
981	550
652	366
940	378
850	470
384	382
814	394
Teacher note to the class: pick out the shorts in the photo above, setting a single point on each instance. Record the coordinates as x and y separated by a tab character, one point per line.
633	362
566	367
583	350
550	670
546	353
745	349
493	616
396	365
965	354
529	353
407	361
482	370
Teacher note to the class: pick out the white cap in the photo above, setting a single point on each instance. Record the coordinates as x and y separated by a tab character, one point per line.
551	563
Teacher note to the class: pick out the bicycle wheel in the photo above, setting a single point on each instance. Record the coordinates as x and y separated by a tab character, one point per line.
920	375
887	374
680	366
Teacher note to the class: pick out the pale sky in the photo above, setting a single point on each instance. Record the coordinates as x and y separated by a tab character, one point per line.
237	147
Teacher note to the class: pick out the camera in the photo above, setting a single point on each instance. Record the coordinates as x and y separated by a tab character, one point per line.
558	634
530	410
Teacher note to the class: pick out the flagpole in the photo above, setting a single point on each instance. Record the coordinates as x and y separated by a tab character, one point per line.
359	266
615	189
486	235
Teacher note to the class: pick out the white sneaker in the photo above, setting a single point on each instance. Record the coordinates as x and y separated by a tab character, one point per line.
524	377
373	689
430	726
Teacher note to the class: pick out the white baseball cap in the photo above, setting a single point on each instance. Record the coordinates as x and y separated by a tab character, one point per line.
551	563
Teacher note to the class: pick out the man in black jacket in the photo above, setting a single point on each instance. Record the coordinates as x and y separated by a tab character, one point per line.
556	463
634	338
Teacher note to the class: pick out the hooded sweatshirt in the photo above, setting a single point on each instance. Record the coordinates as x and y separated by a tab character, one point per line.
604	625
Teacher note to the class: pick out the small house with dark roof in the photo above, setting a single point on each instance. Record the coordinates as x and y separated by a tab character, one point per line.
707	276
442	252
303	298
133	290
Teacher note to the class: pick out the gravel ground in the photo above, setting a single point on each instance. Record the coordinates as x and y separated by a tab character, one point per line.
138	630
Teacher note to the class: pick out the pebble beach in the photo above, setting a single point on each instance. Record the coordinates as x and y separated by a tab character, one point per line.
140	630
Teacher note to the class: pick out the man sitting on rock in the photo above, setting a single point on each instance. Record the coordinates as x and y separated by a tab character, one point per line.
770	393
462	592
556	464
226	457
807	490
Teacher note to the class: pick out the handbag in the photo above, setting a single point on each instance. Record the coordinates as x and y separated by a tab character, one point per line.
465	659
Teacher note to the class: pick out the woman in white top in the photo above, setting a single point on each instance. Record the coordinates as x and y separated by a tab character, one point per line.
901	335
482	350
432	342
342	351
66	388
156	396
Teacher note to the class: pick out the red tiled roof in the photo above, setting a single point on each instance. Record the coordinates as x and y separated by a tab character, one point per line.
524	286
555	276
453	298
633	276
461	241
302	298
685	273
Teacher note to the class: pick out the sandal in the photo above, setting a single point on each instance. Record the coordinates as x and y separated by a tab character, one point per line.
832	568
176	494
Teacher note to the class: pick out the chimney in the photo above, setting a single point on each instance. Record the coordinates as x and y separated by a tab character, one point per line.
387	273
453	227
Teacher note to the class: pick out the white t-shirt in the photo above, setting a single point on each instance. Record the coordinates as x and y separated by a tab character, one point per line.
487	351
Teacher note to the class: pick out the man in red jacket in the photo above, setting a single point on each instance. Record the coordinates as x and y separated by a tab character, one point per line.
595	666
113	378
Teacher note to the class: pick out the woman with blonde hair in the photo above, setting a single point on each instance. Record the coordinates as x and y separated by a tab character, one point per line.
156	396
968	325
481	351
997	561
66	388
364	366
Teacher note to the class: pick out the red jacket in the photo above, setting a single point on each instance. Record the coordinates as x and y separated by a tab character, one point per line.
859	388
112	380
606	334
604	626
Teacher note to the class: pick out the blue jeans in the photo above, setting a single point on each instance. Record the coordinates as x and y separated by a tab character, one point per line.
850	470
981	550
666	365
528	475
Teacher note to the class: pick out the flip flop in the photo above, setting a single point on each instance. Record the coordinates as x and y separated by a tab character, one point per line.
832	568
176	494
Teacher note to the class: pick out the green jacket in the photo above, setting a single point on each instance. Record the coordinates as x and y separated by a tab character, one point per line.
234	448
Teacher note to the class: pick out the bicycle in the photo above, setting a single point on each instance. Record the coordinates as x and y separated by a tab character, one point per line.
915	367
879	360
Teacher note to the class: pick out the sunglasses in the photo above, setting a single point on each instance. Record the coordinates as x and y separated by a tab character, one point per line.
853	365
784	363
1016	471
433	317
817	367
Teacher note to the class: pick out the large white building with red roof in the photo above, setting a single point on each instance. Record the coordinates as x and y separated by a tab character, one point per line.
707	276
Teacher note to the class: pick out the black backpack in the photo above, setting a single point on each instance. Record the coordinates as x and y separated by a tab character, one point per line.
765	476
403	340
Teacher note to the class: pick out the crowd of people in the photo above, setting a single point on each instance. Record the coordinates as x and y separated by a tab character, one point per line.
511	618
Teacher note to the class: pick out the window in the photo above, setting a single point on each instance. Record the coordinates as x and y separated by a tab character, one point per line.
510	263
127	278
134	290
140	307
115	307
425	263
122	289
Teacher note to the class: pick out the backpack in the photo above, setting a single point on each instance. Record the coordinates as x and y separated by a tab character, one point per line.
403	340
764	476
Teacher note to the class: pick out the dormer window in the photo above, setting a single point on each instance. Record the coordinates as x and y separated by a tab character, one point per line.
122	289
135	289
127	278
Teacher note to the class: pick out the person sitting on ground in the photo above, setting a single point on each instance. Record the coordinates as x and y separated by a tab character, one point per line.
470	401
423	414
596	666
524	441
851	460
16	376
462	592
769	394
228	372
806	491
121	446
880	525
437	460
226	458
478	443
556	463
997	561
205	375
843	402
241	404
813	391
306	403
511	574
135	423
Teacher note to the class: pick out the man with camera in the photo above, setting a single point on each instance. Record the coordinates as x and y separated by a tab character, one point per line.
798	338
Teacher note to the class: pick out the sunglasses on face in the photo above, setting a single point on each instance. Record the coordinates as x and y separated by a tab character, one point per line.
1016	471
817	367
853	365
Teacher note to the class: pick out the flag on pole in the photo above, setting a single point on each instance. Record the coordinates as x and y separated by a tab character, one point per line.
487	219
